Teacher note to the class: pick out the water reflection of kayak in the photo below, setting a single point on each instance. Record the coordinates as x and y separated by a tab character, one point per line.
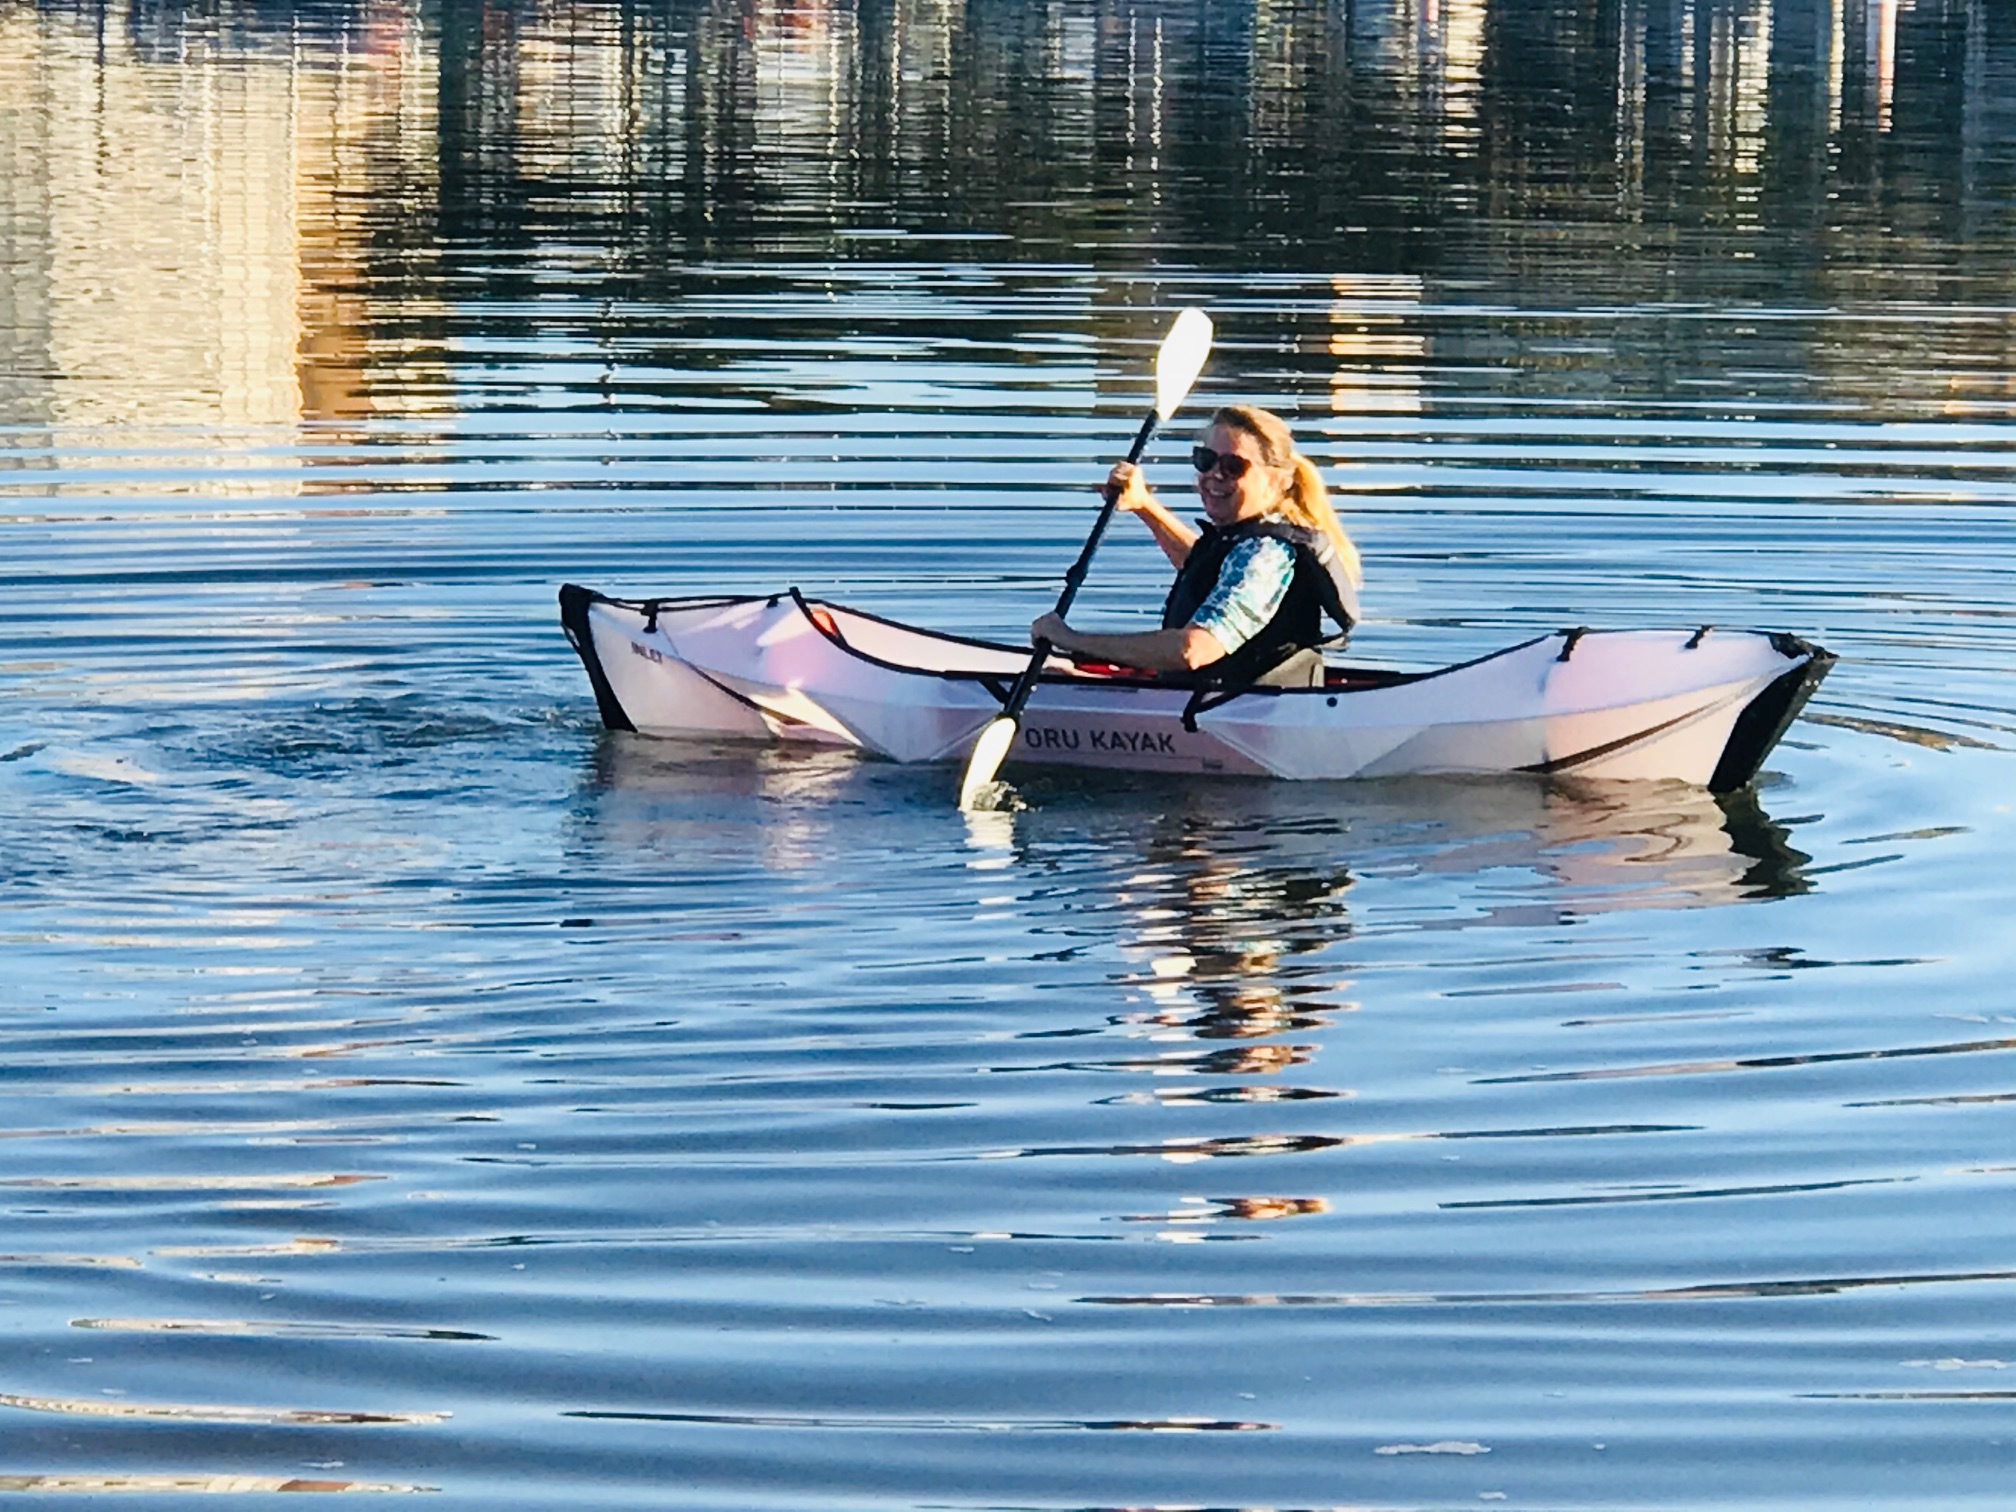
1212	865
1702	706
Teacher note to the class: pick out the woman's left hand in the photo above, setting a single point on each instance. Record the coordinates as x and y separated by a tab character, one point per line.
1051	628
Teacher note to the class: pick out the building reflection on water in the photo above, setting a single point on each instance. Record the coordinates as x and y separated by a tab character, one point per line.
190	217
270	213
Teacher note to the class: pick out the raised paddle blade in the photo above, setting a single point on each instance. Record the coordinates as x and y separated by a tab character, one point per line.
989	751
1180	360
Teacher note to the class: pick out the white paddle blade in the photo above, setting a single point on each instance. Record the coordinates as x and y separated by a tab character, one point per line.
989	751
1181	360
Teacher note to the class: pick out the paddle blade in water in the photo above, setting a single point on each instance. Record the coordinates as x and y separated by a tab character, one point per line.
1181	360
989	751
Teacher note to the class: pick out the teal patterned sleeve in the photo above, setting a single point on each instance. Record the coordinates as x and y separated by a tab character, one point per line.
1249	591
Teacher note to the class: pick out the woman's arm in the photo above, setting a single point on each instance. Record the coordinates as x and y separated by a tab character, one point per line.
1171	534
1184	649
1250	588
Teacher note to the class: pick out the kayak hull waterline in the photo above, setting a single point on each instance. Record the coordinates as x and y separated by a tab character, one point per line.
1702	706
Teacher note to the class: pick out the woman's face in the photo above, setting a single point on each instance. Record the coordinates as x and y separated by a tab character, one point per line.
1226	499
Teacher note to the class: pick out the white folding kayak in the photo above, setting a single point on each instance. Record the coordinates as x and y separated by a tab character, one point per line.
1702	706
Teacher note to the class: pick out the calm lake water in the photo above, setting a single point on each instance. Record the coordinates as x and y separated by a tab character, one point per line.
406	1086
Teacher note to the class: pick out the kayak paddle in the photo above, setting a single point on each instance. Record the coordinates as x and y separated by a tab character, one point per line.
1176	368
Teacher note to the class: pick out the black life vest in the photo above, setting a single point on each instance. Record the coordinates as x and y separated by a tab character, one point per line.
1319	587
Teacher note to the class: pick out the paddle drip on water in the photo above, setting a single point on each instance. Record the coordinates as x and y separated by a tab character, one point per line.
994	797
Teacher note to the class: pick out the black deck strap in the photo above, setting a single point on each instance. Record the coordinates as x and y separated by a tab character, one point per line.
1204	700
1791	647
1694	640
651	608
1608	747
1568	644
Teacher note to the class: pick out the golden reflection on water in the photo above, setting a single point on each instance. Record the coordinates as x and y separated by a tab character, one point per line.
191	238
1758	1062
298	1084
200	228
279	1328
952	1425
194	1484
188	1183
258	1130
165	1412
1207	1210
1724	1291
305	1245
1917	735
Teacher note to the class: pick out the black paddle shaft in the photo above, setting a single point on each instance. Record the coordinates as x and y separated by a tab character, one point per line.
1019	695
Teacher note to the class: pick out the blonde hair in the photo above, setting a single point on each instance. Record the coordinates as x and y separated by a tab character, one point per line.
1307	501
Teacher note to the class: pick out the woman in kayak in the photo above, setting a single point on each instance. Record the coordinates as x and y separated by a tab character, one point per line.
1254	585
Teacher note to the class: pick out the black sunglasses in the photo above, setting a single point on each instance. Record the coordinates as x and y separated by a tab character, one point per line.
1231	466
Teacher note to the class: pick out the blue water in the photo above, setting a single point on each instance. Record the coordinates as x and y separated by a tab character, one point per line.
405	1085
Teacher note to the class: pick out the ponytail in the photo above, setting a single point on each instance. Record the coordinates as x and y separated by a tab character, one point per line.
1307	501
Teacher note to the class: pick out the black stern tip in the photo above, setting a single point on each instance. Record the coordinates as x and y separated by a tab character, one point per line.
574	605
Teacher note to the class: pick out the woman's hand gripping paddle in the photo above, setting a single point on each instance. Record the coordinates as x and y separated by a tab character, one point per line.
1176	368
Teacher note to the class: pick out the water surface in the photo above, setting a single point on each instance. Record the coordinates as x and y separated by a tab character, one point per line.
406	1086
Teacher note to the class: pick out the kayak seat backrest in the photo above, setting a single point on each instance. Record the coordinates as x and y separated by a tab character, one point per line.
1301	669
